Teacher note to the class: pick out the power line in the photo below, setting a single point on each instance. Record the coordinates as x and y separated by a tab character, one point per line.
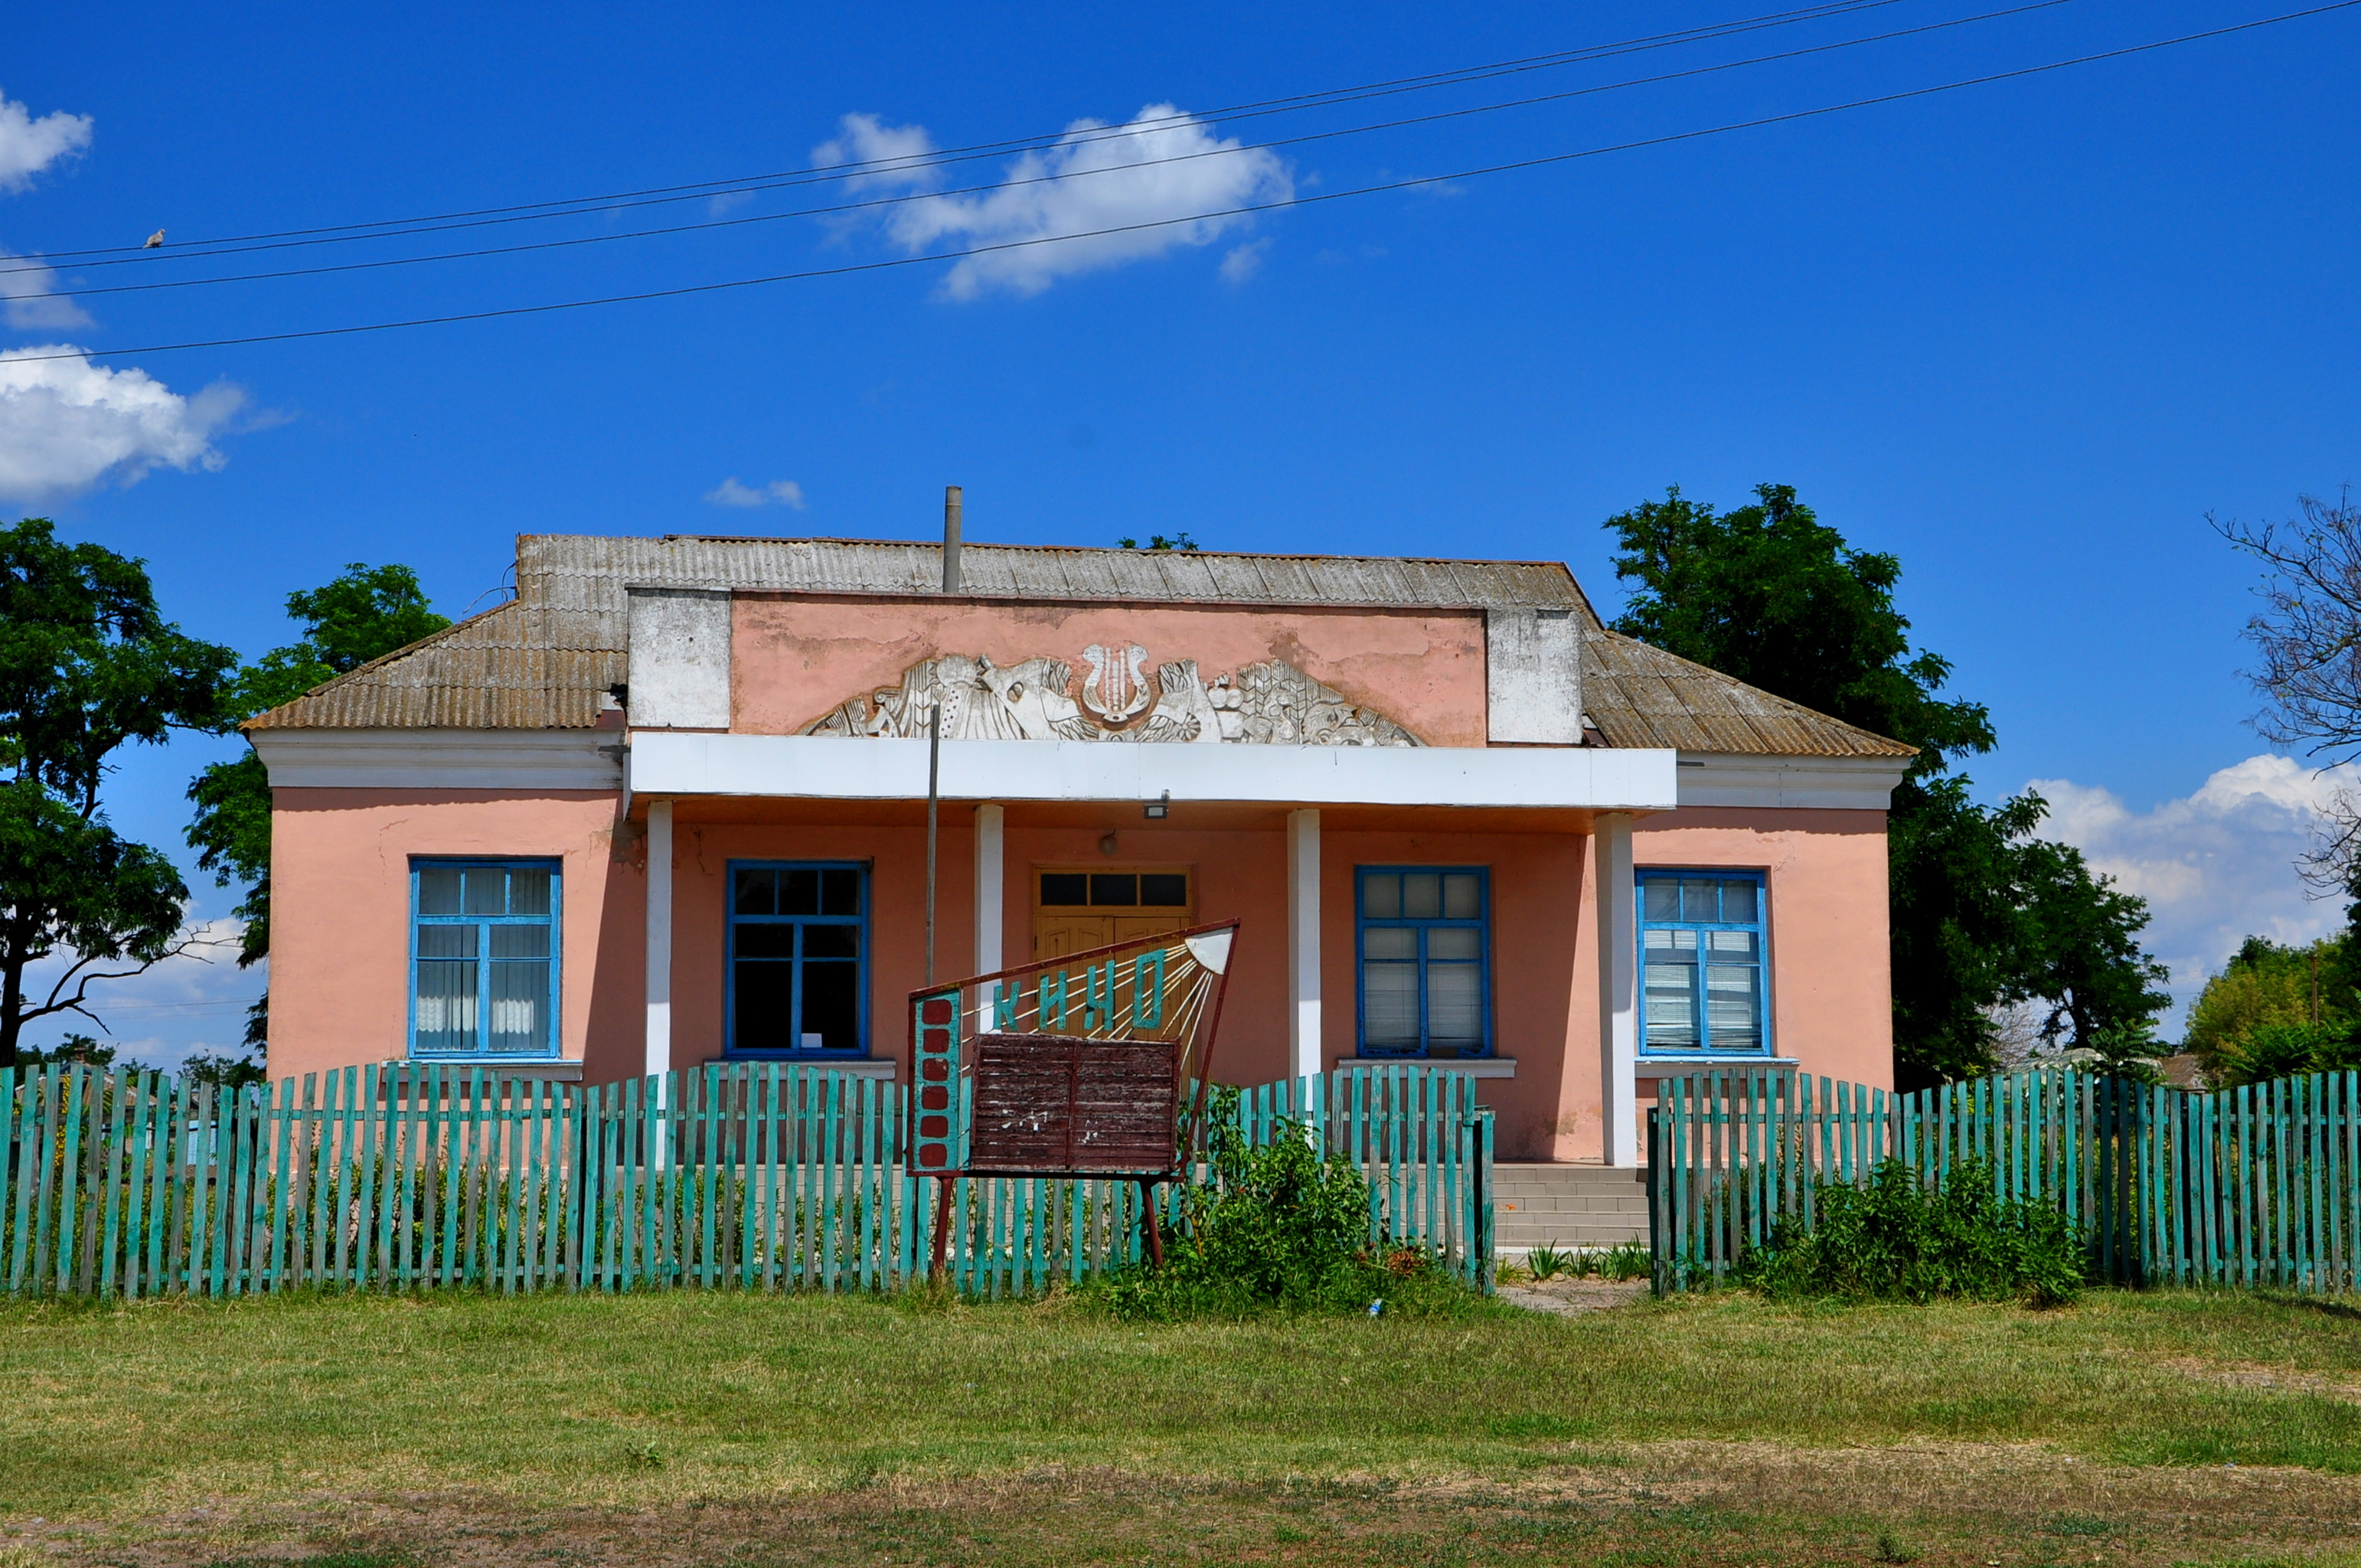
1515	166
871	202
706	189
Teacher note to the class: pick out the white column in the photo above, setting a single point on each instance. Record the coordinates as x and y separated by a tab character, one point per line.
1304	942
1619	988
991	890
659	1043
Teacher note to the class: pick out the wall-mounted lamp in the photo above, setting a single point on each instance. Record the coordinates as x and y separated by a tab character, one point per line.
1158	810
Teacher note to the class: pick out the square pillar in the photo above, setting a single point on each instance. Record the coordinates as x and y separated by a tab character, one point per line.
658	1058
1619	988
1304	942
991	888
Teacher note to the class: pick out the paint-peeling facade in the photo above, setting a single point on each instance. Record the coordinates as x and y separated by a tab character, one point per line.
668	806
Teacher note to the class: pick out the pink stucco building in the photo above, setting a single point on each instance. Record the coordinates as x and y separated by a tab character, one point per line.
668	806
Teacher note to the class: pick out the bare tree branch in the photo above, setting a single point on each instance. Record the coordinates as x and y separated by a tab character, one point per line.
191	940
2309	632
2307	635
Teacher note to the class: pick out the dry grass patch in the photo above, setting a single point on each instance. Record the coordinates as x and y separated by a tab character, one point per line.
1724	1506
2162	1426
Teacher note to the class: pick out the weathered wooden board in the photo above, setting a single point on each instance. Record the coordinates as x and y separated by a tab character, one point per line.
1047	1103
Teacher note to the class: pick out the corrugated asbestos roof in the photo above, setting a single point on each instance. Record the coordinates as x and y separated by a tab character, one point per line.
1640	695
542	661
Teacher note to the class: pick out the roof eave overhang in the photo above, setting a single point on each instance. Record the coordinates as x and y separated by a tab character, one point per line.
1790	782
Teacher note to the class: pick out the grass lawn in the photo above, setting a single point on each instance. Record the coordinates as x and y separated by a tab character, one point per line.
693	1428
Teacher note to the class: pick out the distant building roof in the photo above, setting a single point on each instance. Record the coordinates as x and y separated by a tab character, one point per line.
542	661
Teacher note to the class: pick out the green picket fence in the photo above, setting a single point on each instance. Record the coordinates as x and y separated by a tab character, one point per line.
2259	1184
774	1177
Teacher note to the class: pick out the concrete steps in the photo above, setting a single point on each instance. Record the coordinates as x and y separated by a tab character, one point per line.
1568	1205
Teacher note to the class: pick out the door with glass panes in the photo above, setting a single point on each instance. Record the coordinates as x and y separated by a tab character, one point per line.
1077	908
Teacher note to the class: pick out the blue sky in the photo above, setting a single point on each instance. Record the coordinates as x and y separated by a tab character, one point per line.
2023	336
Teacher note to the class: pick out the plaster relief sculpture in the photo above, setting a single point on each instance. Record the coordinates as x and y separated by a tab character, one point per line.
1115	691
1268	704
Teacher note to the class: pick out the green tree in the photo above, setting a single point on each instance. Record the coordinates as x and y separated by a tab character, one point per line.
1954	924
2081	955
364	615
1774	596
87	665
1981	912
2277	1009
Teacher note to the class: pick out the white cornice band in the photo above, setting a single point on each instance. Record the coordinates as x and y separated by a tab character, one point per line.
832	768
1824	783
441	759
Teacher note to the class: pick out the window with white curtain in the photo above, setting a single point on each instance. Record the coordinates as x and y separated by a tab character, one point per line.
1701	963
483	958
1426	958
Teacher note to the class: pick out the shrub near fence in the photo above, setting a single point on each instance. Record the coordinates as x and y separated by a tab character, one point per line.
2259	1184
752	1176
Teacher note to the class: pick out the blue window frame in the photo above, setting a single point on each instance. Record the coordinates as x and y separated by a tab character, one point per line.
798	958
483	958
1702	977
1422	947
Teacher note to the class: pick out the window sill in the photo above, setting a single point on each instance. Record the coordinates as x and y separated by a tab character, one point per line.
1686	1063
1471	1066
851	1067
540	1068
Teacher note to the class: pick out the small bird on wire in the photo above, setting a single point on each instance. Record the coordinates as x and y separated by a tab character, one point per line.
154	240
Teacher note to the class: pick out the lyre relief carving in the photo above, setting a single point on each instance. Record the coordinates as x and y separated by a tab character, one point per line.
1116	688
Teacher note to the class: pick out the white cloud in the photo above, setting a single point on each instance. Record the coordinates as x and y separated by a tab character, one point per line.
195	1002
778	492
28	290
2216	865
28	145
66	424
1244	261
866	139
1163	166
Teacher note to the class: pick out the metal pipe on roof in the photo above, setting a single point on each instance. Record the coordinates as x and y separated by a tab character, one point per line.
952	539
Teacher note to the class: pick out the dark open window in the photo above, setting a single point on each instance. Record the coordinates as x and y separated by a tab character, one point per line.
1114	890
798	958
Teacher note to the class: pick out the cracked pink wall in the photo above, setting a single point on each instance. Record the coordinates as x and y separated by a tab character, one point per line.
341	901
794	660
340	913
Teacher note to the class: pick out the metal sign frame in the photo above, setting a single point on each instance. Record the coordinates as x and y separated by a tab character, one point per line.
939	1054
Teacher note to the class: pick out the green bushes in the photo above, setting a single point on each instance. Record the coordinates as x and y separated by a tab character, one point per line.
1281	1227
1898	1240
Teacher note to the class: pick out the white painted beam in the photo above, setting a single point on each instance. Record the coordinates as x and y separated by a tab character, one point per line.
836	768
1619	988
991	888
1304	942
659	958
